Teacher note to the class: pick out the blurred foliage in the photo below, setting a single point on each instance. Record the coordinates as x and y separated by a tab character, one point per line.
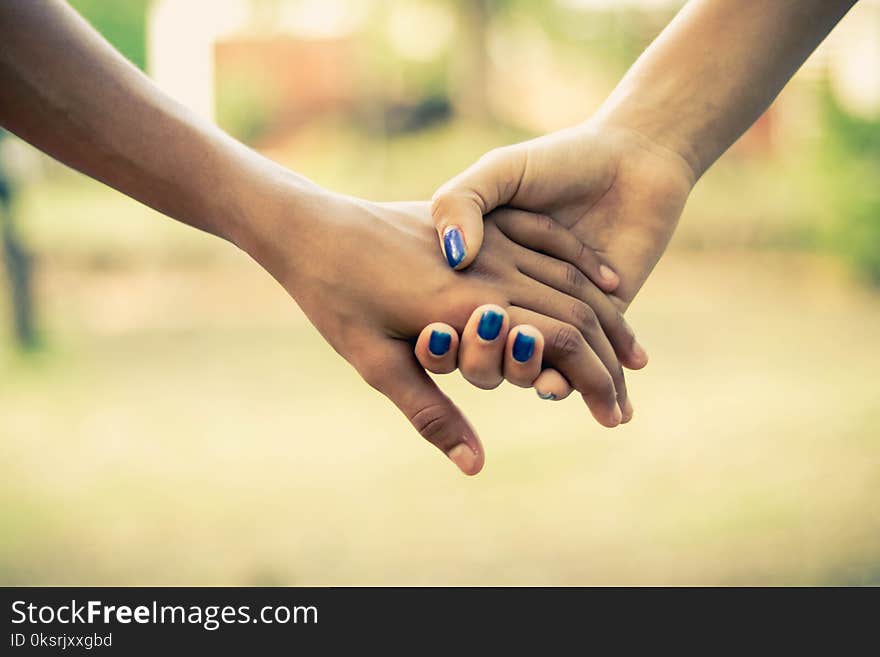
122	22
615	37
398	95
851	162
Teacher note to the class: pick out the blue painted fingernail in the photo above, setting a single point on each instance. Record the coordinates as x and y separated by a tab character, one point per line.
439	343
523	347
490	325
453	245
547	395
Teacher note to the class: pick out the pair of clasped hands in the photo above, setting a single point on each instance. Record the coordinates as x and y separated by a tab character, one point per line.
543	245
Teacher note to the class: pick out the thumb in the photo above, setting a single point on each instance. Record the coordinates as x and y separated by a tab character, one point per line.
459	205
398	376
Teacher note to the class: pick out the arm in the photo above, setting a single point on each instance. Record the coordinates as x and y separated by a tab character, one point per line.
362	272
715	68
70	94
620	180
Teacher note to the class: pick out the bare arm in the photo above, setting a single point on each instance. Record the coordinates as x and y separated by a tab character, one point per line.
365	274
715	68
620	180
68	92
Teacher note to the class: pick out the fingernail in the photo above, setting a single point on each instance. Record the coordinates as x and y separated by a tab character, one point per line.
490	325
607	273
464	457
439	343
453	246
639	352
523	347
546	395
617	415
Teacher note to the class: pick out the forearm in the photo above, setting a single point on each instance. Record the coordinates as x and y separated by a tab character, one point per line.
713	71
68	92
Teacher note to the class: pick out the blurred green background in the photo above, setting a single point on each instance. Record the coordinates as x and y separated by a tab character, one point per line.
168	416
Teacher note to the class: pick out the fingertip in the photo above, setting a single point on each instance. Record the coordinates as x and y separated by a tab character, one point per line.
437	348
525	343
481	357
523	355
635	358
440	340
608	278
489	322
468	459
608	416
454	246
552	386
631	354
640	356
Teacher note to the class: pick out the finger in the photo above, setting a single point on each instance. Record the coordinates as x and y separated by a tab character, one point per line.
481	354
437	348
523	355
568	279
459	205
392	370
541	233
567	351
553	303
551	385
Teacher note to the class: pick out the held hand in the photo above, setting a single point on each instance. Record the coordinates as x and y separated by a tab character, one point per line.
369	278
616	190
515	355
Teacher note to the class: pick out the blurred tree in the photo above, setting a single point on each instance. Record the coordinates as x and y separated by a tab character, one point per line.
19	265
853	156
122	22
470	76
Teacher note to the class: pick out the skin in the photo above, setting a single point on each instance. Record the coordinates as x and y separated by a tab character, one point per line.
619	182
478	359
377	307
366	274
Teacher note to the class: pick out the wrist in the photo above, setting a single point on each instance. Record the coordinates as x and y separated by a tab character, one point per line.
650	119
272	213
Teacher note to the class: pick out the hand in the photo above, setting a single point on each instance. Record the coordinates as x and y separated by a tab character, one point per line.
515	356
369	278
616	190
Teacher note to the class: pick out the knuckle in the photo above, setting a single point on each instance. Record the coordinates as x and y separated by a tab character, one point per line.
444	203
584	318
545	223
585	253
567	341
440	202
574	278
432	422
495	155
